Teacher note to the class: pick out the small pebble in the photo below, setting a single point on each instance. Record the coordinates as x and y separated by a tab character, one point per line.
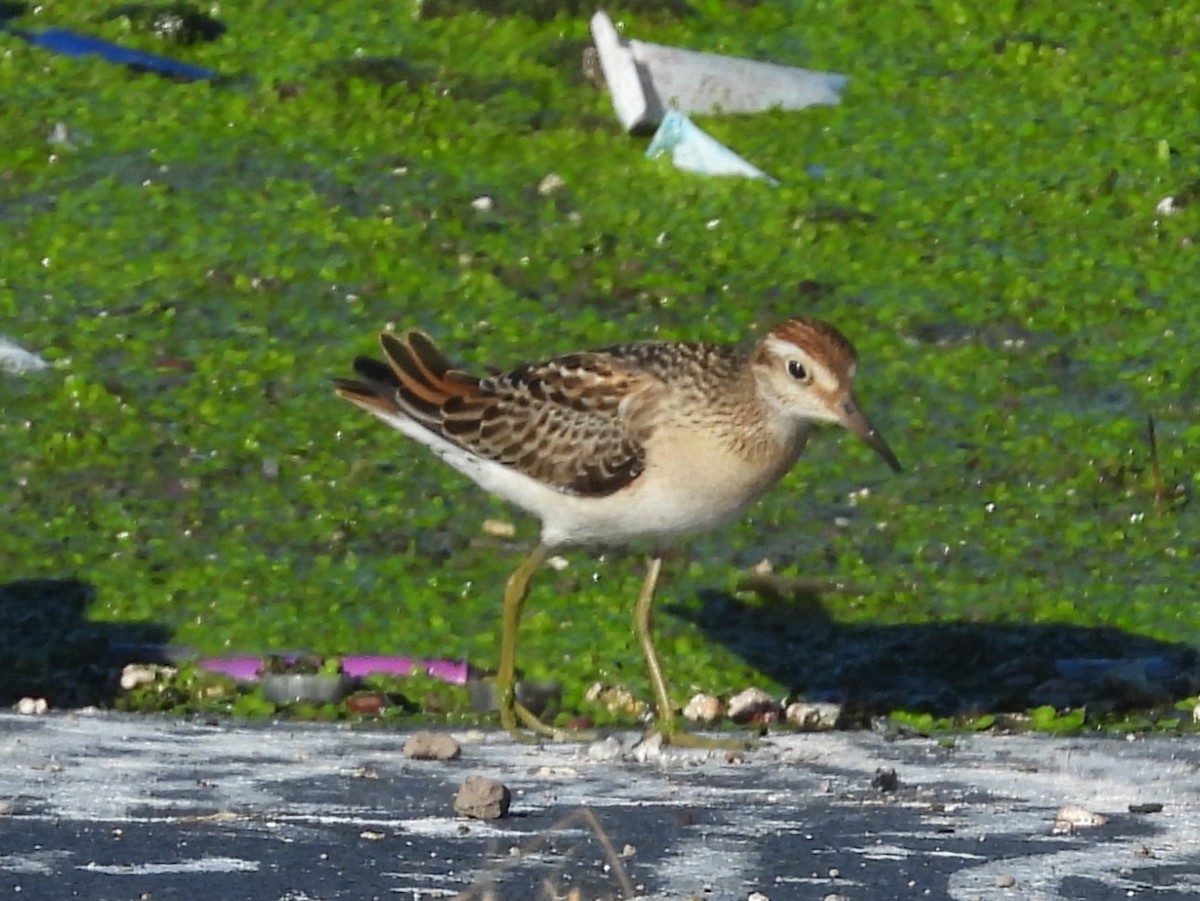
753	705
483	203
813	716
605	749
482	798
366	703
703	708
615	699
550	184
885	780
1005	880
32	706
138	674
432	746
1073	817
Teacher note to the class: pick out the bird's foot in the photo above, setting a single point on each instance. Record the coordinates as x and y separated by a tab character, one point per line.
537	730
670	734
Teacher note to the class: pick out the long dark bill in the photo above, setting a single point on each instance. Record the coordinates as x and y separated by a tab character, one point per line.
854	419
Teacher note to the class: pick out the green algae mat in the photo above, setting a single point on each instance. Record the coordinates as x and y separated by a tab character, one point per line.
1002	215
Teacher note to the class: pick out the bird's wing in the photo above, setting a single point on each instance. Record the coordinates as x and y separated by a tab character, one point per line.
575	422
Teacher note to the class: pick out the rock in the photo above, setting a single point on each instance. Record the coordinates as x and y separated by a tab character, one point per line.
135	675
616	699
432	746
753	706
885	780
367	703
482	798
32	706
605	749
1073	817
1146	807
813	716
650	749
703	708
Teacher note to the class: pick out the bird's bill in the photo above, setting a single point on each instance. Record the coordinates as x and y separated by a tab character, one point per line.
854	420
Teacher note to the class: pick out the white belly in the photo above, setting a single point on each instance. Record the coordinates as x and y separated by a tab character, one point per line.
695	489
693	485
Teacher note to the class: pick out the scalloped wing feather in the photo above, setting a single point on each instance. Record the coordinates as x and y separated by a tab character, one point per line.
573	422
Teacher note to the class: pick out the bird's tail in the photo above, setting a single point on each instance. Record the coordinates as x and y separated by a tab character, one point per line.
416	381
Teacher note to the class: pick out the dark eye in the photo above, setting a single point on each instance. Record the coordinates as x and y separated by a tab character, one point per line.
797	371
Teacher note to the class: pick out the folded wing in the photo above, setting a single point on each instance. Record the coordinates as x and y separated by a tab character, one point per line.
572	422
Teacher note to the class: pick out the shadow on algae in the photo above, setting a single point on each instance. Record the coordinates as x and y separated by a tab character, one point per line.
49	649
946	669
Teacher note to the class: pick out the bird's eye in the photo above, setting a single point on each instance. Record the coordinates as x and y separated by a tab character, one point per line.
797	371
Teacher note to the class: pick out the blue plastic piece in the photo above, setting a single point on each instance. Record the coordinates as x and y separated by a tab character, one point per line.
694	150
70	43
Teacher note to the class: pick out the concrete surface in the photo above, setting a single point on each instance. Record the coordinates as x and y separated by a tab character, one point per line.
112	807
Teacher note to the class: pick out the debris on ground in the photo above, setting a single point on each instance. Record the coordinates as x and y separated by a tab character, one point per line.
432	746
481	798
646	80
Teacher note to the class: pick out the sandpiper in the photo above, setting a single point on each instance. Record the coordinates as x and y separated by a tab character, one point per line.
642	442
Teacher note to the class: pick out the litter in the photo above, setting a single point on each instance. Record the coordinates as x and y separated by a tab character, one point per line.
247	669
17	360
694	150
70	43
646	80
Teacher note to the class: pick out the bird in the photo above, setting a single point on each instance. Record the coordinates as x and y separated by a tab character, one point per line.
641	442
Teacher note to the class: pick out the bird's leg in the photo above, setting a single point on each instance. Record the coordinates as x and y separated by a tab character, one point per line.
668	727
643	620
515	592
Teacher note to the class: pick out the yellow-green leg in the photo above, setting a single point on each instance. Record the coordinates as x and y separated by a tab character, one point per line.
668	726
515	592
